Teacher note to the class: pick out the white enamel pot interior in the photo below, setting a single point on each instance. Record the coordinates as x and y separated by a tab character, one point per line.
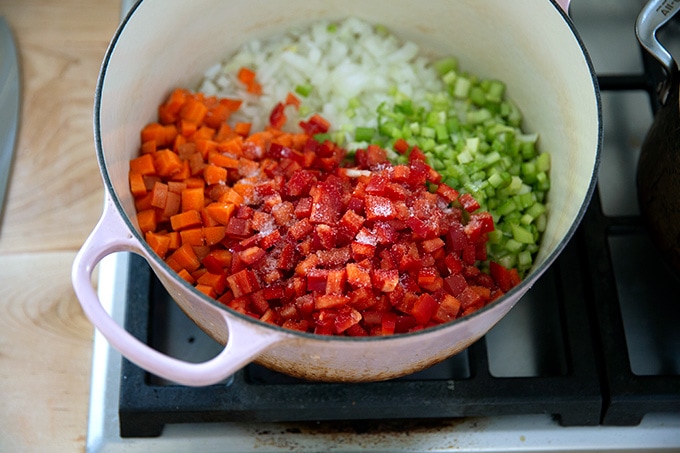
162	44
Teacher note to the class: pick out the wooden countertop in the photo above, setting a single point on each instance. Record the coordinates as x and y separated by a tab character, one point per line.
54	199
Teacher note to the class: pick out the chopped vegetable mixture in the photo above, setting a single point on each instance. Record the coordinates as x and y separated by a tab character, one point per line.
375	88
276	225
407	203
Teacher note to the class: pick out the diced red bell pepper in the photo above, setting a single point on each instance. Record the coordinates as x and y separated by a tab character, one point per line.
277	118
424	308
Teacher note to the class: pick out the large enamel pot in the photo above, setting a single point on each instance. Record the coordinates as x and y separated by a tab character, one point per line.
162	44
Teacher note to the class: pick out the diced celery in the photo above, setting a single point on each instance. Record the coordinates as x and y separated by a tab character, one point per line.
478	116
543	183
496	91
364	134
462	87
445	65
495	236
513	245
495	180
543	162
477	96
304	111
522	235
449	78
304	90
472	144
526	219
524	259
441	133
506	207
465	157
428	132
541	222
508	261
536	209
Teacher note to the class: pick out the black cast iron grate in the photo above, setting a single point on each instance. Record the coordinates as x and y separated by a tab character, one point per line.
584	373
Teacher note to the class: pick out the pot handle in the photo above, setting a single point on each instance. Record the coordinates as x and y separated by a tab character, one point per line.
653	16
564	4
111	235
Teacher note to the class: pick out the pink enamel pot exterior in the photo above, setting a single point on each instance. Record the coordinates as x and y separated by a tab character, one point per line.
162	44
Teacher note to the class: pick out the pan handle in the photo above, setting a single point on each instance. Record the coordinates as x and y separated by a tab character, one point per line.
111	235
653	16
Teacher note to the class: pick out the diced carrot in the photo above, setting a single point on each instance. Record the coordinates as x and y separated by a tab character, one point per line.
254	88
233	104
172	205
204	132
147	220
183	173
193	111
175	240
246	75
217	282
194	182
293	100
242	129
196	164
144	202
232	146
207	290
224	132
233	197
150	181
154	132
179	142
244	189
149	147
187	128
205	146
214	235
192	236
186	258
216	158
193	199
218	114
186	276
221	212
247	167
167	162
186	219
186	149
176	186
158	242
168	112
159	195
144	165
137	186
214	174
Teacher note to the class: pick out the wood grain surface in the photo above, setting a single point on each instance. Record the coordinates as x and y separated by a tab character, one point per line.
54	198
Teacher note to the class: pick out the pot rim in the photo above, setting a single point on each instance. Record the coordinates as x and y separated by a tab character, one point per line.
526	283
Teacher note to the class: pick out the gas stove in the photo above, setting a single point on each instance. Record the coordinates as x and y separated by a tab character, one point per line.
589	360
